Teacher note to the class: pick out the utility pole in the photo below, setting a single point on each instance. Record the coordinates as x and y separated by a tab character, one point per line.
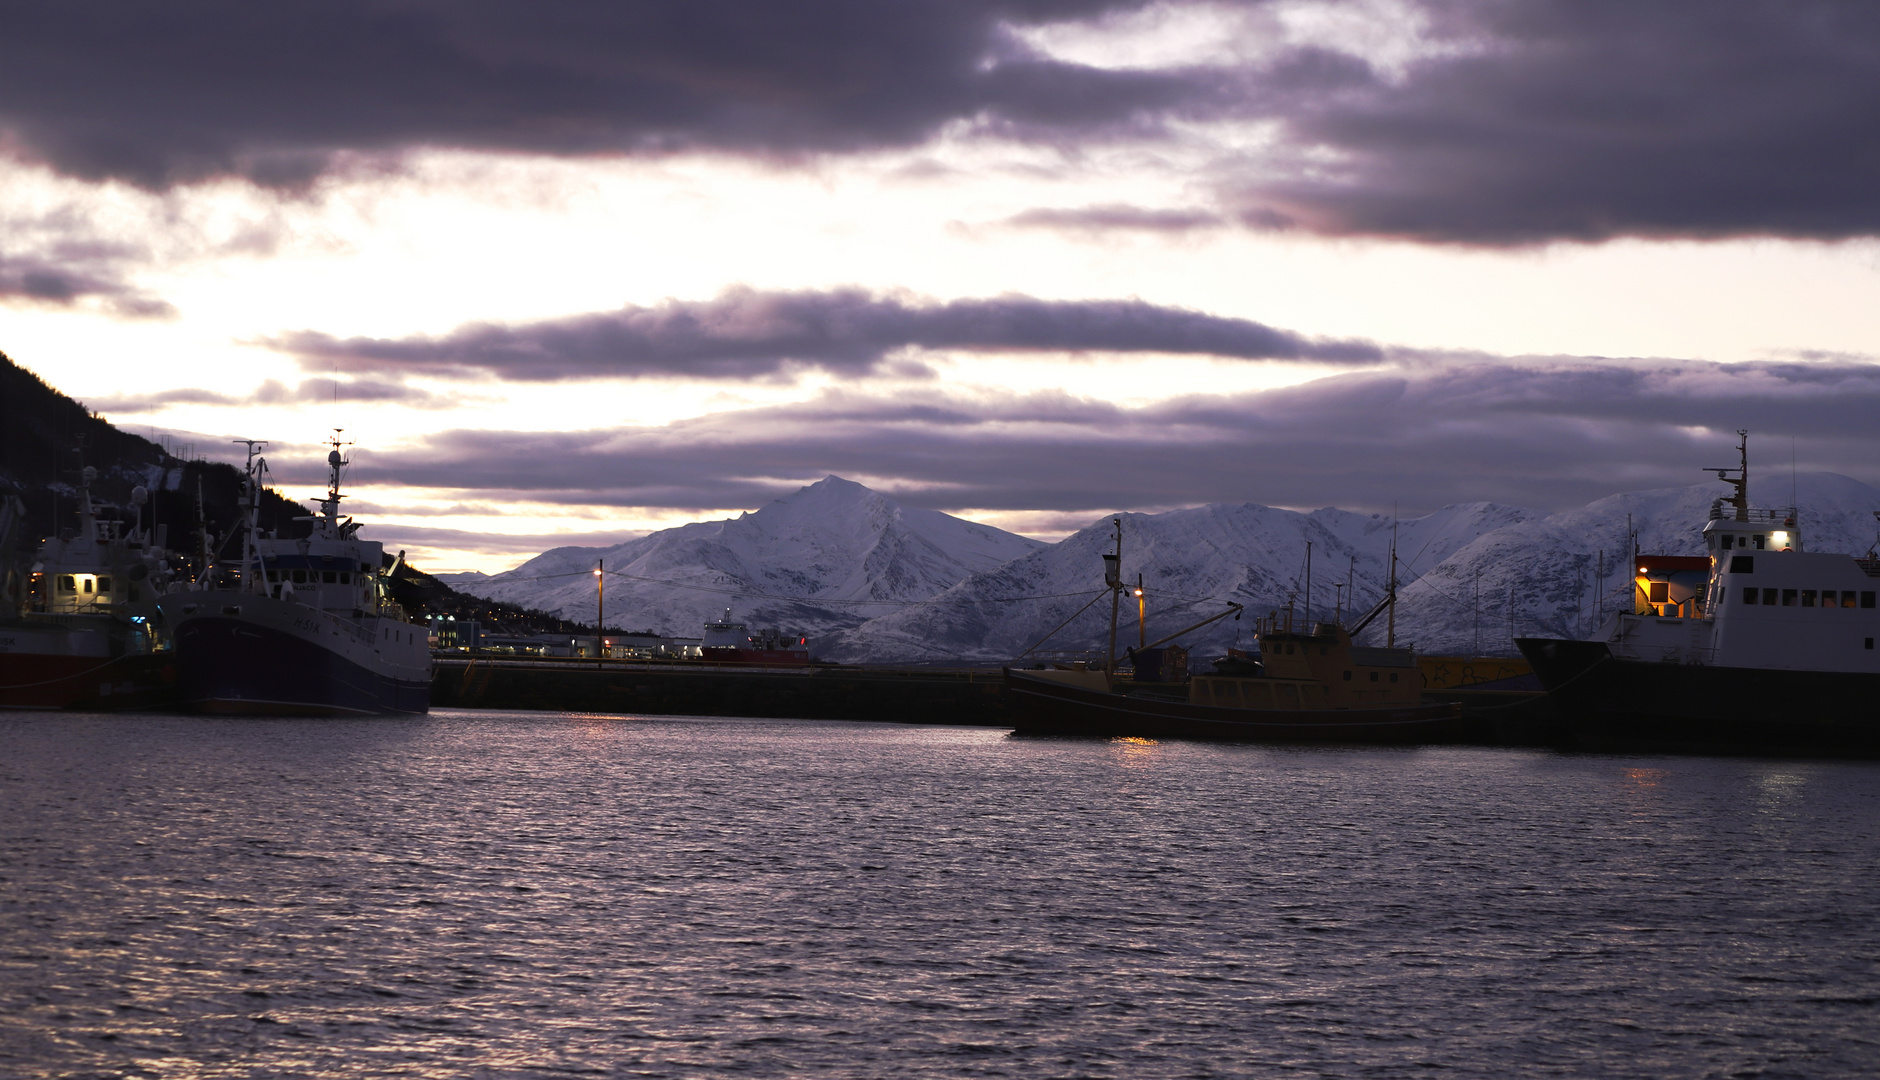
1308	586
1475	604
600	612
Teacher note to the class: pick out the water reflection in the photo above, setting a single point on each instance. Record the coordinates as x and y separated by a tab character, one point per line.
539	895
1779	795
1134	752
1639	779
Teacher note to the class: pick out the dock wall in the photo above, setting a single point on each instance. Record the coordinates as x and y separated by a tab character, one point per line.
909	696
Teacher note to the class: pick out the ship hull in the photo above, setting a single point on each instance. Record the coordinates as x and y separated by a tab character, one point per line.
140	682
57	665
1610	701
276	659
1044	707
757	657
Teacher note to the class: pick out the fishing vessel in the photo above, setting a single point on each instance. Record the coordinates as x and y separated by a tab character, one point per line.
1757	644
1311	684
301	626
79	629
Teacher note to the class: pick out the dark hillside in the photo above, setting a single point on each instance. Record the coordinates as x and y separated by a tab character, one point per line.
46	438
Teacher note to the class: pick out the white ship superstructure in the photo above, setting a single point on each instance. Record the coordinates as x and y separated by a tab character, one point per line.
1764	642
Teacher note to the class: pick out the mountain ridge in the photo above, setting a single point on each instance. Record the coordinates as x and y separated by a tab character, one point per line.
827	556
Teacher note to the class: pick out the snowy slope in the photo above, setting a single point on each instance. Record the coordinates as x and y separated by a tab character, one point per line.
1191	561
874	582
828	556
1539	578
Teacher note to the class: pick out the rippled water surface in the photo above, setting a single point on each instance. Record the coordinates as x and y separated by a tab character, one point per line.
477	894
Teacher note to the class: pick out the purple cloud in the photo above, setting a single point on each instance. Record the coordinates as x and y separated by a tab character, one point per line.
1549	433
746	333
1533	120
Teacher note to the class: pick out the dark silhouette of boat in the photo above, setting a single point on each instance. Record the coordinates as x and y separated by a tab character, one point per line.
1308	686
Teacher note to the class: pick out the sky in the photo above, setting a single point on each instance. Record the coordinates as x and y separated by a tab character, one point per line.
565	273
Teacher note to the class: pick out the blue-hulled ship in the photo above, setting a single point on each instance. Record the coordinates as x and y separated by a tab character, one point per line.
301	627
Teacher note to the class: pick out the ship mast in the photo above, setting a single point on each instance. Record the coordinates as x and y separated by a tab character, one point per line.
1113	577
1739	500
1390	619
252	579
330	523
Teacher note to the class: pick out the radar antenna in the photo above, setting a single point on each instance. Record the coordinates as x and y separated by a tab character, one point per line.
336	462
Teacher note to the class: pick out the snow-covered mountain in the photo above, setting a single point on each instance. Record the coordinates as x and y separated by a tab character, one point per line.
1540	577
1469	568
826	557
875	582
1191	561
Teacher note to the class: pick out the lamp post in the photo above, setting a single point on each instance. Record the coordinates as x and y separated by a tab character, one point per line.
600	613
1142	616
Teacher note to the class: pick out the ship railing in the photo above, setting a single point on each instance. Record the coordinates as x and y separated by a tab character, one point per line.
1066	658
1766	515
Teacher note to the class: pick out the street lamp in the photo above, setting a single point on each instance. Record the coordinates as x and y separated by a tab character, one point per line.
600	616
1142	616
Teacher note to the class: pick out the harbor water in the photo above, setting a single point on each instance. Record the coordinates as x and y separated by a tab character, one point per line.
539	895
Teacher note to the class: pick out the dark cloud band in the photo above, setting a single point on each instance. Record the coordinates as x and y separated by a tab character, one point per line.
1540	433
163	94
1527	121
746	333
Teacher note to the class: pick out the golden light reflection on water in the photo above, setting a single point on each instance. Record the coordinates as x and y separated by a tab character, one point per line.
1639	779
1133	752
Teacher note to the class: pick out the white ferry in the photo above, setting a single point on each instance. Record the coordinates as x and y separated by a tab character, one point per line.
727	641
302	627
1766	644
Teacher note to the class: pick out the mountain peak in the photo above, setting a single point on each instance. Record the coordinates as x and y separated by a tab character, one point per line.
833	542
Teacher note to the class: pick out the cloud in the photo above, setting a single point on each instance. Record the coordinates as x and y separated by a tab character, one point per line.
282	92
1562	119
50	265
274	392
1550	433
746	333
1496	122
1117	217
